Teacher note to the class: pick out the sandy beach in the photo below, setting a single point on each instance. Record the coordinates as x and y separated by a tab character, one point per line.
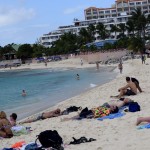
120	133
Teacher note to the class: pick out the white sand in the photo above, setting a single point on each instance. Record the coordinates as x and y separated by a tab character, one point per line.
120	133
68	63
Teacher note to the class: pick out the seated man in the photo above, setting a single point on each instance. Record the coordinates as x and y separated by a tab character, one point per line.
44	115
137	84
142	119
129	89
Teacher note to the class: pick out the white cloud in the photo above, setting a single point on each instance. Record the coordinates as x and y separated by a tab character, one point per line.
74	10
9	15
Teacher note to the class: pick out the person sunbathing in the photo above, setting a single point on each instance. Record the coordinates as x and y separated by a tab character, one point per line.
142	119
101	111
43	116
129	89
5	126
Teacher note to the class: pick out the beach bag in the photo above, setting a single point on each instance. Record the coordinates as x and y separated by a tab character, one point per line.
134	106
49	139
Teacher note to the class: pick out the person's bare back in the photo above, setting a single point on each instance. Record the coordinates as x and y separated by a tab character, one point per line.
132	86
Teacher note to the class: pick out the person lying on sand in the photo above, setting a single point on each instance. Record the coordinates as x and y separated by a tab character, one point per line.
129	89
101	111
43	116
5	126
142	119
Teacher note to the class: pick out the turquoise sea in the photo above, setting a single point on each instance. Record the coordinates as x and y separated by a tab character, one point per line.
46	87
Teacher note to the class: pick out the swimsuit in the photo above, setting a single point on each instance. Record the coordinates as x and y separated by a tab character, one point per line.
129	92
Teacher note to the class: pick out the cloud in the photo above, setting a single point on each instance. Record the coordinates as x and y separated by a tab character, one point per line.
9	15
74	10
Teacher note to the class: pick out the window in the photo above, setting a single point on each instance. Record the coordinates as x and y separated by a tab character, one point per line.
138	3
95	17
114	15
94	12
145	7
126	9
101	12
88	13
132	8
131	4
119	9
144	2
113	11
107	11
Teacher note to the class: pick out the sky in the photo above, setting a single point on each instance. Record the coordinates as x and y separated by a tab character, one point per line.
24	21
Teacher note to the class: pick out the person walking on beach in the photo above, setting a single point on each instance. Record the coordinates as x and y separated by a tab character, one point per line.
24	93
120	67
81	62
143	59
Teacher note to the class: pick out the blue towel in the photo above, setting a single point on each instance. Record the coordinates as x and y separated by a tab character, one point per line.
112	116
145	126
116	115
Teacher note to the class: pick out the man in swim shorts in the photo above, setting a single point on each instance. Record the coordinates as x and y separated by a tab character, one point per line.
129	89
43	116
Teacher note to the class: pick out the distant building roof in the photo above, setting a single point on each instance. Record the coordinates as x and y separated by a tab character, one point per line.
16	46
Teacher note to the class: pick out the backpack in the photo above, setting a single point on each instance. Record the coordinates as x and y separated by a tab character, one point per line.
134	106
49	139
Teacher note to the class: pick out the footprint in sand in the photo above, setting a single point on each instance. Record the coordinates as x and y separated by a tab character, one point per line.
99	148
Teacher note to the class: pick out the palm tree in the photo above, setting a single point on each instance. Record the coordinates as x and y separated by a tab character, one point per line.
114	29
122	29
102	31
91	30
140	21
84	35
130	26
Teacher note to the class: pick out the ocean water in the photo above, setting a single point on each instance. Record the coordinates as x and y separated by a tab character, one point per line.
46	87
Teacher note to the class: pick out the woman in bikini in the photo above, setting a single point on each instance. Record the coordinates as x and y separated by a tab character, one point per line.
5	126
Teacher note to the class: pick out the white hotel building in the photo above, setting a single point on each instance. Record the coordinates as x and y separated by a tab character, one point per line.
116	14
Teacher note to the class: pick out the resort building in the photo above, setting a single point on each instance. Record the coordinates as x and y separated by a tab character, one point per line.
116	14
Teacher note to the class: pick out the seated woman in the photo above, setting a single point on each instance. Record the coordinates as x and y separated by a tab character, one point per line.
5	126
142	119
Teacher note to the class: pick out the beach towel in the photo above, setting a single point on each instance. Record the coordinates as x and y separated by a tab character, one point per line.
113	116
145	126
19	130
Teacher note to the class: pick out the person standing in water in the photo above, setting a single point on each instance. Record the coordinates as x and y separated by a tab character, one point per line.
24	93
78	77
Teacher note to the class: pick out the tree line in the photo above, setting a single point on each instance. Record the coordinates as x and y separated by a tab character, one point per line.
136	29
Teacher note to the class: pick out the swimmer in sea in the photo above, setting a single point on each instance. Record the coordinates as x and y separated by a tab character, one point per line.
24	93
78	77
